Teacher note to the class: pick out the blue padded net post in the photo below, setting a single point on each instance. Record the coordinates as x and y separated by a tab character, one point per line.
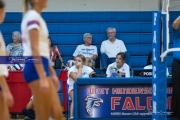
159	84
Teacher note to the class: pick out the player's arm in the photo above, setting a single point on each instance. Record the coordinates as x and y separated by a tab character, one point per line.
7	94
34	38
77	75
3	83
176	23
90	75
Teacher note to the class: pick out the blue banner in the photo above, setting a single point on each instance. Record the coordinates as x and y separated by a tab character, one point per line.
117	101
20	59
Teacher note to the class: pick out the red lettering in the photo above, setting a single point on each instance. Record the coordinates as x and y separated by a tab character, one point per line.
150	90
148	100
106	89
113	90
169	102
145	90
113	102
101	91
128	104
169	90
128	91
134	90
138	107
140	90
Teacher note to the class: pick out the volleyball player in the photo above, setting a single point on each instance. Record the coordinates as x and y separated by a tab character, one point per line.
6	99
40	77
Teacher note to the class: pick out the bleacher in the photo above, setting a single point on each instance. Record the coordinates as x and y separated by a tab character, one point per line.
67	28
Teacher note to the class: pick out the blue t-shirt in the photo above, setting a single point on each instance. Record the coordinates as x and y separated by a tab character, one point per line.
176	42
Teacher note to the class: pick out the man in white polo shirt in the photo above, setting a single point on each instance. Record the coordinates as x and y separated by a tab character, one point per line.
87	50
110	48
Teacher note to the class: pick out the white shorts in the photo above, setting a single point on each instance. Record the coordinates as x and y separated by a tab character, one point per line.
70	88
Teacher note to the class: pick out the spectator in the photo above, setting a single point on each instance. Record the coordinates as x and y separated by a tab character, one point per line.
149	63
28	111
110	48
121	67
87	50
79	70
15	48
55	54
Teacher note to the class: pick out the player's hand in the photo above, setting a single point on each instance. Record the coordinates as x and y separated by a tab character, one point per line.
119	75
44	84
8	98
55	82
79	65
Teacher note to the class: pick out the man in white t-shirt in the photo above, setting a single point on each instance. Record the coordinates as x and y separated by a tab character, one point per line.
110	48
87	50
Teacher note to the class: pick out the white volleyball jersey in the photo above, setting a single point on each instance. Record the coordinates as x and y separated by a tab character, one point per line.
3	67
33	20
86	71
124	69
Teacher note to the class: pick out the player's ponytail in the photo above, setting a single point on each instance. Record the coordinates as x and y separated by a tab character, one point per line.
25	5
2	4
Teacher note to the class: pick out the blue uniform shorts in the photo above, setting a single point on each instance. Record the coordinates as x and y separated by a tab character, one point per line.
30	73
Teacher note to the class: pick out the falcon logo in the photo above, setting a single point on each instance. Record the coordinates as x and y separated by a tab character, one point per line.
92	102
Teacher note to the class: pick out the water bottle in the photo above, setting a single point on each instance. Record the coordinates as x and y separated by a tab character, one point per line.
123	74
114	73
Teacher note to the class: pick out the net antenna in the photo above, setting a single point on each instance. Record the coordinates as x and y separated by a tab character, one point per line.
164	8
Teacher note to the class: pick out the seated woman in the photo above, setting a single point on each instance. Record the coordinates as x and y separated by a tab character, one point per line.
149	63
79	70
15	48
120	66
55	53
88	62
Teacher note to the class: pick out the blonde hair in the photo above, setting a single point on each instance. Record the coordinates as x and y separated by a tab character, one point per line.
26	5
82	57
